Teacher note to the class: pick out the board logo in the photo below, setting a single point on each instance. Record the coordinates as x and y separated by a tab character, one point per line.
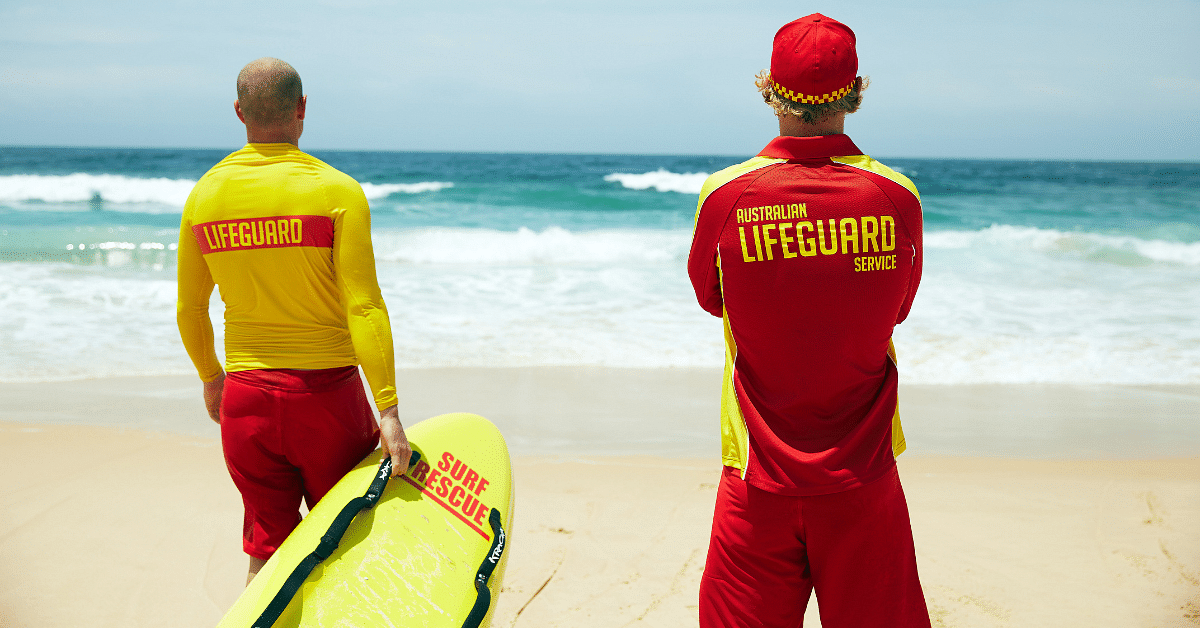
495	555
454	486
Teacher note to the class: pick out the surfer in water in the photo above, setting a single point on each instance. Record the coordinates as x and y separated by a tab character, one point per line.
811	253
287	238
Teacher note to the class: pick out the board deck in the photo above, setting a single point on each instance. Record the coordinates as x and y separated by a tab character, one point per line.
412	559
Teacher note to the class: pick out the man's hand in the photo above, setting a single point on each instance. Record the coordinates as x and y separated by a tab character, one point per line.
393	440
212	397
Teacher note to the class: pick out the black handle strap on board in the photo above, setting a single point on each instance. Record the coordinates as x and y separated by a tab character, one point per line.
329	543
483	599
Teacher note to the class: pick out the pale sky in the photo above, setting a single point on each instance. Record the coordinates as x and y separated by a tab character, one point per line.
1053	80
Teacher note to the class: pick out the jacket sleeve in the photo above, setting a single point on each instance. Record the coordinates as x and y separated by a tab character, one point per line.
703	258
909	208
195	286
366	313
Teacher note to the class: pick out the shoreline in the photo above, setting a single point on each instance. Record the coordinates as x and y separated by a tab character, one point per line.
673	412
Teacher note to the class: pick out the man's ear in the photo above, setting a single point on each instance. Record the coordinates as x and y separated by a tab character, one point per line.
301	107
237	108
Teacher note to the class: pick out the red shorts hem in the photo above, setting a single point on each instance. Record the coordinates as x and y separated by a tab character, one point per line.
286	442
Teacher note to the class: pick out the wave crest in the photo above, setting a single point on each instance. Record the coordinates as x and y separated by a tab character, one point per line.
120	189
80	187
661	180
381	190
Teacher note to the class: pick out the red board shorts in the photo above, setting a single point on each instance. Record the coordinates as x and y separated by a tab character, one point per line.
287	435
768	552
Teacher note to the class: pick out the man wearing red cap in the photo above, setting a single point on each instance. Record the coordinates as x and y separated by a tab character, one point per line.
811	253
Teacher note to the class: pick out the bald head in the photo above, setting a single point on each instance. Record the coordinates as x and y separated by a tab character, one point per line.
269	91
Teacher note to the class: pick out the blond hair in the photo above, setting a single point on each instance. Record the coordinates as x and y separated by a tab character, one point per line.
806	112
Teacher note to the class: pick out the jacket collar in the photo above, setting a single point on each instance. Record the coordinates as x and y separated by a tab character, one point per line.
821	146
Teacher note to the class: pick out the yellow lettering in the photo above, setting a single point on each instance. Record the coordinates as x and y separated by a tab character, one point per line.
745	253
284	236
741	216
857	264
808	246
242	233
297	227
803	210
849	229
784	239
870	234
768	240
269	229
833	242
256	233
221	231
757	244
208	237
887	235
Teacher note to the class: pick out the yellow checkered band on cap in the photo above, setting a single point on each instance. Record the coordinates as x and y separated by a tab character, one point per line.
807	99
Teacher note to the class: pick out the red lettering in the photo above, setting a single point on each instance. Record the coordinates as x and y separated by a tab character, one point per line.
470	481
469	505
479	514
455	498
445	462
458	470
443	487
434	474
483	482
419	471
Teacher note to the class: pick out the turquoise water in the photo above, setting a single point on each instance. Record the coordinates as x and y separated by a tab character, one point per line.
1035	271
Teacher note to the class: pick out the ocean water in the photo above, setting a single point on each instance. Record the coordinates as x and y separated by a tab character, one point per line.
1036	272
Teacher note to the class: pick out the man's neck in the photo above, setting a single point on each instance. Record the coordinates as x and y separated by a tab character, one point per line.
793	126
260	136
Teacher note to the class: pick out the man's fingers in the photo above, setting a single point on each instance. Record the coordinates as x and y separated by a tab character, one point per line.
400	456
394	441
213	391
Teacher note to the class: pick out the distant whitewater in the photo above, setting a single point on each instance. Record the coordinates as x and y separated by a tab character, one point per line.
114	191
661	180
1048	272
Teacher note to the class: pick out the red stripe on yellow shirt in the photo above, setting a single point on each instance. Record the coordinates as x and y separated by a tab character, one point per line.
270	232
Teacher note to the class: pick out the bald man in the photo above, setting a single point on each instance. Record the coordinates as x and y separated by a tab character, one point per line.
287	240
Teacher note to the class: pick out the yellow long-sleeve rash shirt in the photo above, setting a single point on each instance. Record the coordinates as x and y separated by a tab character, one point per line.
287	239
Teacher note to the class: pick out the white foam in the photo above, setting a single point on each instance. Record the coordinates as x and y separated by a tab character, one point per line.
119	189
381	190
661	180
554	245
1098	247
1000	305
62	321
79	187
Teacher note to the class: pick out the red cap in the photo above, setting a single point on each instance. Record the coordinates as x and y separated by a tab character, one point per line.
814	60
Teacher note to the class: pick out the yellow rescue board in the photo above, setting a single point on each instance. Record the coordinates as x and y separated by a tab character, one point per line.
412	559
